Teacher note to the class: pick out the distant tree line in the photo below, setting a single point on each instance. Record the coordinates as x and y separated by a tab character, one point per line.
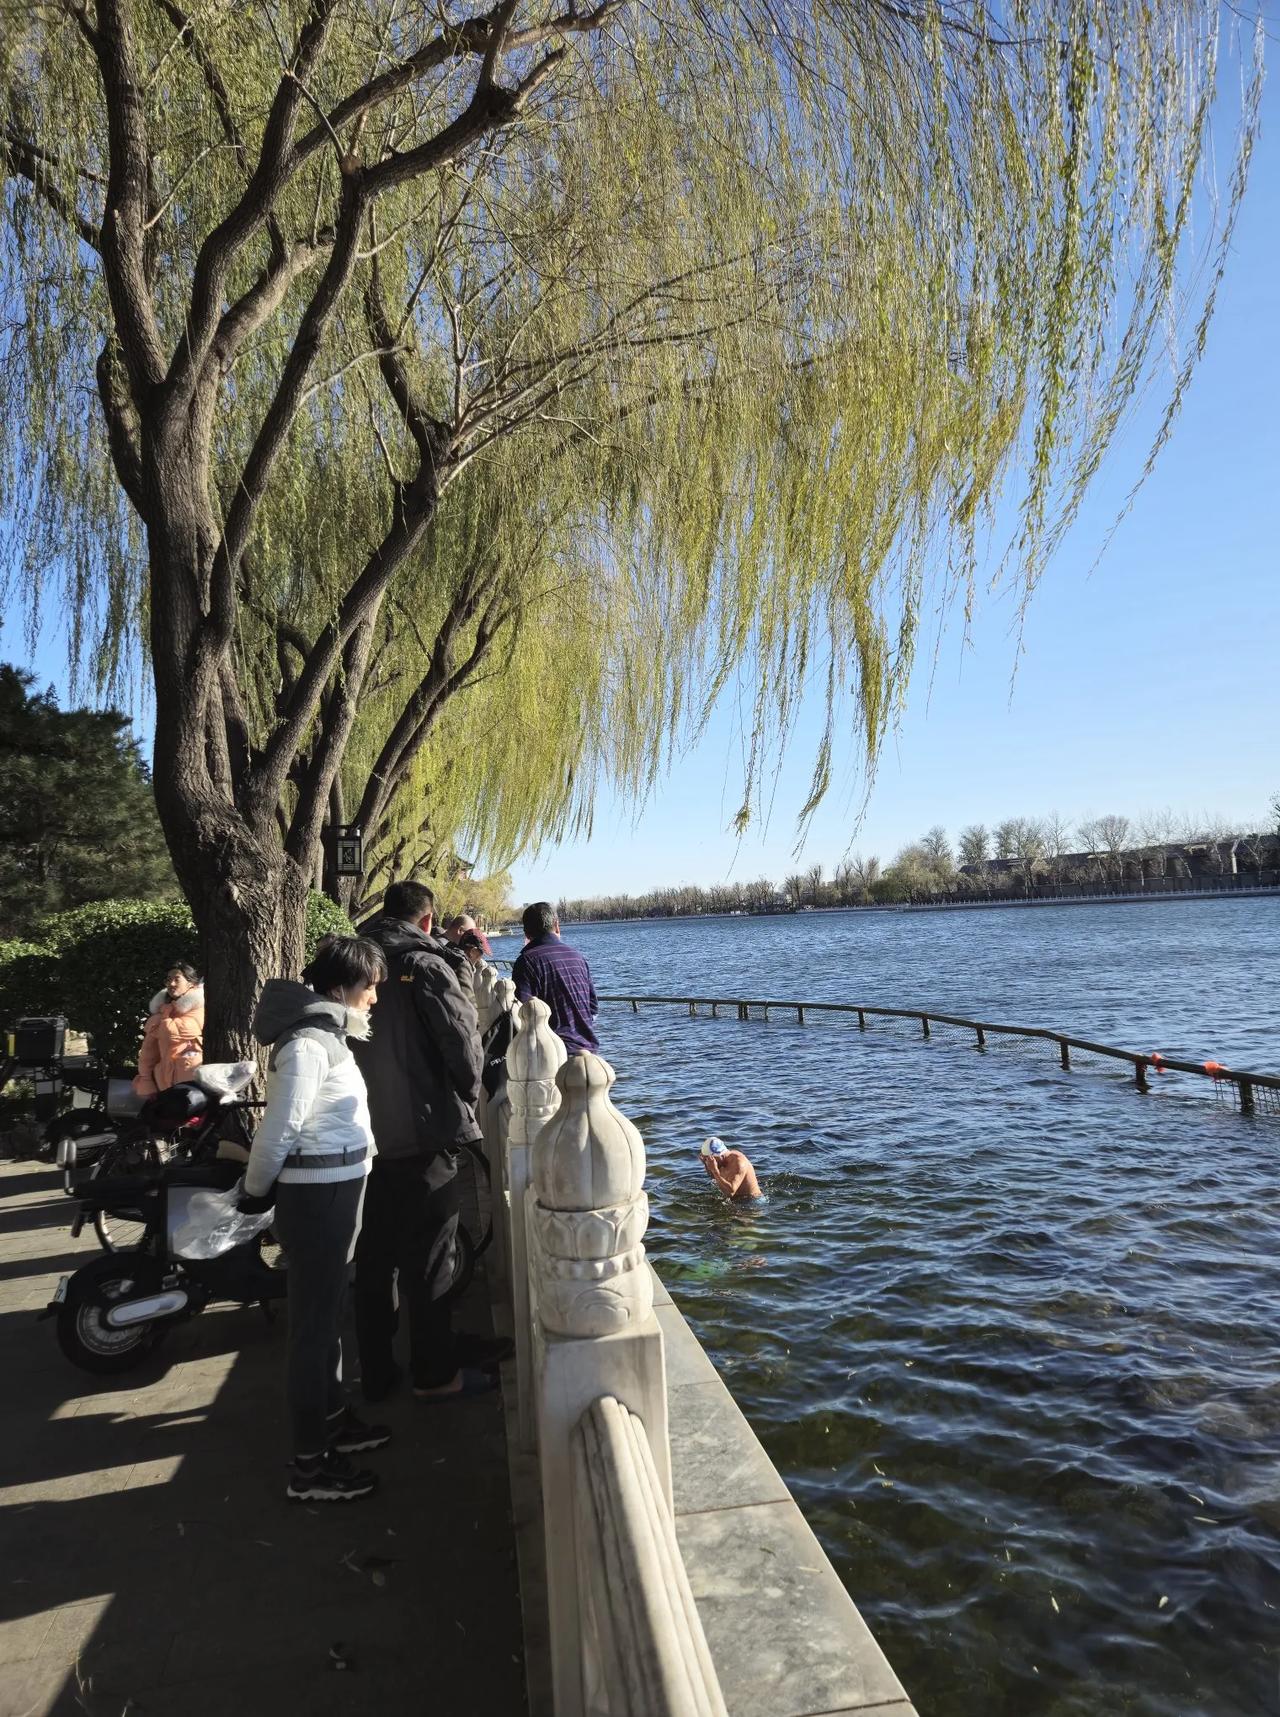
1020	858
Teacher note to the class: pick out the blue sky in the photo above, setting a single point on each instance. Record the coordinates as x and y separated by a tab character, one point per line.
1148	682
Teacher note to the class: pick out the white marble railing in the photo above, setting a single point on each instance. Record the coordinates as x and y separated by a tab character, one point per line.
624	1634
495	996
644	1650
534	1059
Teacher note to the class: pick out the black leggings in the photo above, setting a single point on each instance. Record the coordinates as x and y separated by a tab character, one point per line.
317	1226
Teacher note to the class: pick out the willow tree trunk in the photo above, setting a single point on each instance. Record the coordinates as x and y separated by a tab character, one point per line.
247	897
252	927
249	903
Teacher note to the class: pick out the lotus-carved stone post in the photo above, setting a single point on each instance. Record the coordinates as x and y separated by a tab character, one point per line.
495	1118
591	1211
484	979
595	1330
533	1058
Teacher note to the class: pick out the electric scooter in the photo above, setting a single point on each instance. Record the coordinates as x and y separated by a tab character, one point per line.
114	1311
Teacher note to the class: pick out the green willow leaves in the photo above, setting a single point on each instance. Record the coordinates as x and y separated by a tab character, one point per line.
733	334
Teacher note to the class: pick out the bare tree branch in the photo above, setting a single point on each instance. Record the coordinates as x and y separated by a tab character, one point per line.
124	250
266	295
416	504
123	428
455	42
275	165
33	165
74	10
281	413
427	431
326	755
187	34
491	107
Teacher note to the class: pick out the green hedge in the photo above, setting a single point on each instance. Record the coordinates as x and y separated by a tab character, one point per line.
325	919
101	964
28	981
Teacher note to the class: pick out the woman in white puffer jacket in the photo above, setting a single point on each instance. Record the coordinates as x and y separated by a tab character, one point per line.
311	1154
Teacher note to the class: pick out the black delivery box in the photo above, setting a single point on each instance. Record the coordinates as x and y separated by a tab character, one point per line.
36	1041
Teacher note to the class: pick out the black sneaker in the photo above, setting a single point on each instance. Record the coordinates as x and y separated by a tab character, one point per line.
330	1478
487	1352
353	1437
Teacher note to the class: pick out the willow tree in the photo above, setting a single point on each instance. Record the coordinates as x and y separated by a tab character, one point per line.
379	358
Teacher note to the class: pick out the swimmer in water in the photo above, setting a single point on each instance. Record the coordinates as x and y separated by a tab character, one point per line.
731	1171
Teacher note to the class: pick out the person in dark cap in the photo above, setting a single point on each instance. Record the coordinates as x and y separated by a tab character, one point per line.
475	945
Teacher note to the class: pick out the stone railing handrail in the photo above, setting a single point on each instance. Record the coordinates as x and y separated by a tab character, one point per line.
624	1548
534	1059
620	1537
646	1654
586	1334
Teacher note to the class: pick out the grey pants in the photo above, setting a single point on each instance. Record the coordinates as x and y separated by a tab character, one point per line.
317	1226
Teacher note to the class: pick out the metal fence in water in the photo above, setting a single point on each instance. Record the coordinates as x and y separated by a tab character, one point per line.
1252	1093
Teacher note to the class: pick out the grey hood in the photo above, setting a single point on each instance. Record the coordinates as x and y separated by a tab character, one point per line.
285	1004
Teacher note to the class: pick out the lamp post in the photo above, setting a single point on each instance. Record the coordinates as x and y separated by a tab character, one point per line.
348	850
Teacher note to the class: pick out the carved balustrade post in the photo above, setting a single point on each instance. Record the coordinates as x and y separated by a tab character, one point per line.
484	979
481	986
495	1118
595	1330
533	1058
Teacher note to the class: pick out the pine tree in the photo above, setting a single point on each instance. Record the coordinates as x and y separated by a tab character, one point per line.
77	817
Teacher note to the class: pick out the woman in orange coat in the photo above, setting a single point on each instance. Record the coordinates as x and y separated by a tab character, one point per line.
172	1046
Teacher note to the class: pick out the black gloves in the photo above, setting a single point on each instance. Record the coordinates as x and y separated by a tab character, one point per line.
253	1204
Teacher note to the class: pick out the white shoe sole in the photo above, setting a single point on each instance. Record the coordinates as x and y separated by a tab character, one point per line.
319	1495
363	1448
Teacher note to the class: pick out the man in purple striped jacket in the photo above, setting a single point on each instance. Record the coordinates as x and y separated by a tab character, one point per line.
558	974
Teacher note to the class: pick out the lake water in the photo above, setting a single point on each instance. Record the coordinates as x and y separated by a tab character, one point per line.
1011	1334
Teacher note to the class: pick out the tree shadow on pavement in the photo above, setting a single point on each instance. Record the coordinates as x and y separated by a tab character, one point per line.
149	1562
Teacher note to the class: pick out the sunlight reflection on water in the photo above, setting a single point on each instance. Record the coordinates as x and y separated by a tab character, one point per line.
1009	1332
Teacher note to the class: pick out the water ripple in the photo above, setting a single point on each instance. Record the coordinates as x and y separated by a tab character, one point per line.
1009	1332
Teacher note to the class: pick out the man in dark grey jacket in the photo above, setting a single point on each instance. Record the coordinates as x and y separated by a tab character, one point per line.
422	1069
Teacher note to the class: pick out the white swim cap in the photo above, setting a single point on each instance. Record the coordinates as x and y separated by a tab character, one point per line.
713	1148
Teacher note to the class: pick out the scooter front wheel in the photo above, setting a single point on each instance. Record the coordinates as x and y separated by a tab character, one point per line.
90	1342
135	1152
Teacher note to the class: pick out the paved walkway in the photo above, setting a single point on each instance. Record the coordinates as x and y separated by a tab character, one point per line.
150	1565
